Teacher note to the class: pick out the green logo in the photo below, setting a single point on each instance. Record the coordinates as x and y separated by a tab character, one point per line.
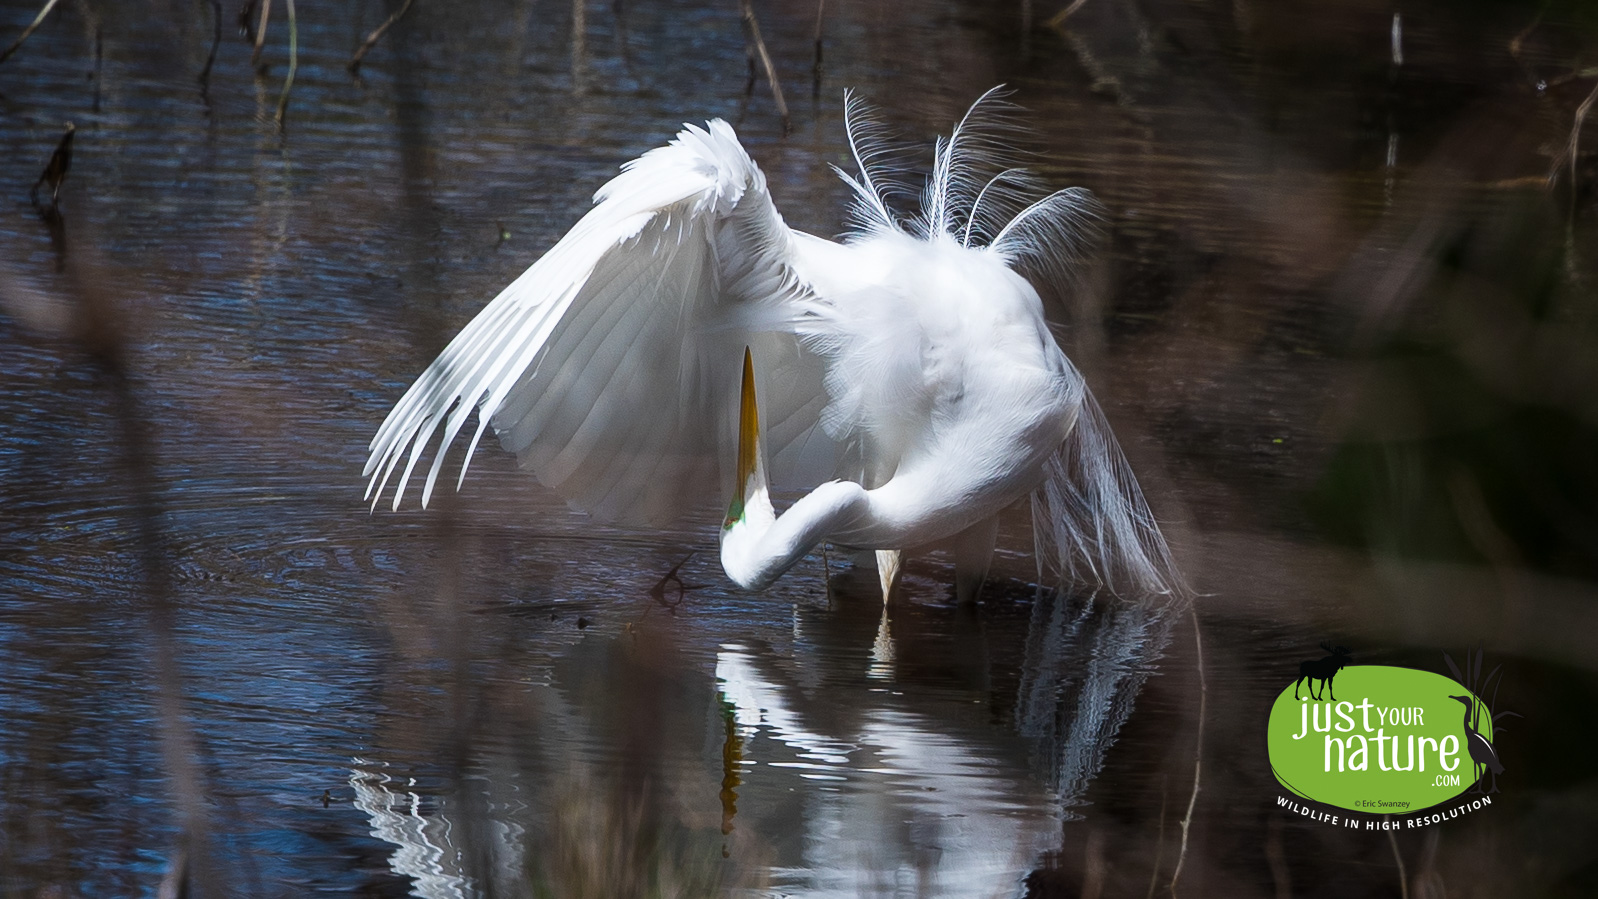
1389	741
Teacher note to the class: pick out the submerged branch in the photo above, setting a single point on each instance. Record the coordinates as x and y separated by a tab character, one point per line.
1403	879
765	60
815	67
1059	18
55	171
294	57
260	31
1575	142
216	40
37	21
1198	751
375	36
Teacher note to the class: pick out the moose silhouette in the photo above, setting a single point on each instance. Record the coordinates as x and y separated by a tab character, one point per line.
1322	670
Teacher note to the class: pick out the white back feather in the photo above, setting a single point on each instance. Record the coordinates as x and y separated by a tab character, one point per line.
1091	521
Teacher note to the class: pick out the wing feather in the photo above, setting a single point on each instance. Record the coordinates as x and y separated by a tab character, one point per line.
605	364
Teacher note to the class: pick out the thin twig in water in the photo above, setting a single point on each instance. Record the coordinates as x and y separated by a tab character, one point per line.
55	171
815	68
1568	77
1093	865
765	60
37	21
1159	844
1059	18
216	39
579	46
1575	143
371	39
99	65
260	31
1519	40
294	57
1403	879
1277	859
1198	752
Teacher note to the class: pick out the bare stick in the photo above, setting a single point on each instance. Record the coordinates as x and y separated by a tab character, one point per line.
765	61
371	39
55	171
260	31
1278	860
37	21
294	57
1198	752
815	69
1575	142
579	47
1403	880
1519	40
1159	844
1059	18
216	39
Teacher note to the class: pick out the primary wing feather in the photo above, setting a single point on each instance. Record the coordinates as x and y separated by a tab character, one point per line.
604	365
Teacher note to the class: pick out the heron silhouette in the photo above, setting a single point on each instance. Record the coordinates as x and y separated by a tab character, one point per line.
1481	749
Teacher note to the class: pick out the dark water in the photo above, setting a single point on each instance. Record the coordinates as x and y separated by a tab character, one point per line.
1342	325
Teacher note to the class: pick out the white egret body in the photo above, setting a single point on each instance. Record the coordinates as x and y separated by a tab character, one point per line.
906	377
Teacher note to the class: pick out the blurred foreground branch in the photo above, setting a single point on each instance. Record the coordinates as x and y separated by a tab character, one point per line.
80	308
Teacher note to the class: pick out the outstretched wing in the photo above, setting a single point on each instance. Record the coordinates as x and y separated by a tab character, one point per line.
610	367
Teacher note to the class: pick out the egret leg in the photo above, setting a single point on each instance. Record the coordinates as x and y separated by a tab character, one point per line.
973	554
889	565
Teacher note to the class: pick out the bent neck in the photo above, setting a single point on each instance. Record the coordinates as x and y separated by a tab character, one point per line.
757	548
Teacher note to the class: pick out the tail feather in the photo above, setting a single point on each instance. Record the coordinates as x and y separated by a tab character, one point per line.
1091	523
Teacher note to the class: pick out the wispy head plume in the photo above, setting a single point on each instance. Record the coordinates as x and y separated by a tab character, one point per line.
1050	237
979	194
881	164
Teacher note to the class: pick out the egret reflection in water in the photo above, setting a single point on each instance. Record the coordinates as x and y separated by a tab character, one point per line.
856	758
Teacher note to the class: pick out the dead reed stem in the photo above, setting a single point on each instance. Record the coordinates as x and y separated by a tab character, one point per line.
37	21
260	32
377	33
1159	842
1403	879
1059	18
815	67
765	60
1575	142
216	40
294	58
1198	753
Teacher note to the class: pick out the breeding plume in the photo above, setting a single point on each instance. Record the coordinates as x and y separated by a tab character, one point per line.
682	345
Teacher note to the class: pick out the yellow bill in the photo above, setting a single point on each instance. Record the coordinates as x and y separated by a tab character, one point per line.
749	464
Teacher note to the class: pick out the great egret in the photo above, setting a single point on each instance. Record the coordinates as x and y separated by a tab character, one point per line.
908	379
